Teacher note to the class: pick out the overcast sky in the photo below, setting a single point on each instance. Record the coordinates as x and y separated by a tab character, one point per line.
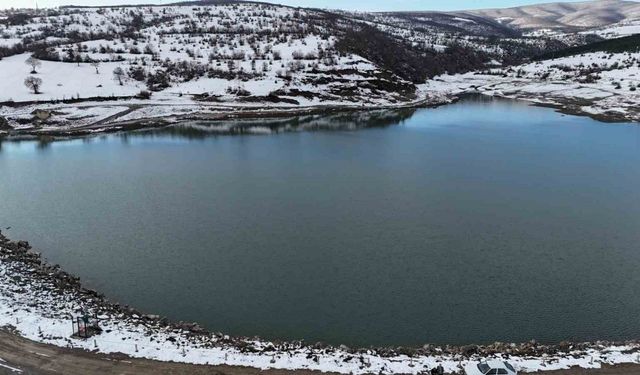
372	5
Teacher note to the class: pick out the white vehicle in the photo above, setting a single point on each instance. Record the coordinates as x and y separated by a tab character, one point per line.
493	367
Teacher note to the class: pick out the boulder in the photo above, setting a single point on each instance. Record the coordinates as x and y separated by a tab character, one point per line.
42	114
469	350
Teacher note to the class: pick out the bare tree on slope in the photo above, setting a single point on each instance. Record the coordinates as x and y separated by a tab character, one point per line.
33	63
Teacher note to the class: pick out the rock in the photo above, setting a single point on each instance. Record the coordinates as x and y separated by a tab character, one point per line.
564	346
195	328
320	345
469	350
42	114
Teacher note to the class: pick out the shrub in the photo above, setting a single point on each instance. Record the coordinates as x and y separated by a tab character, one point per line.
144	94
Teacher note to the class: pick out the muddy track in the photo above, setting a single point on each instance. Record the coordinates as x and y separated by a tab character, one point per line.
33	358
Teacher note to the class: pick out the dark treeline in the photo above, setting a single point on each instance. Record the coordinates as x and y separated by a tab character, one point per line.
408	63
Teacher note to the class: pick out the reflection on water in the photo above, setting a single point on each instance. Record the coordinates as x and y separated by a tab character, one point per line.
351	120
341	120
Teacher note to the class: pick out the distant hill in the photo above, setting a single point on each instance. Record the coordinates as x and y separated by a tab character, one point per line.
580	15
158	4
456	22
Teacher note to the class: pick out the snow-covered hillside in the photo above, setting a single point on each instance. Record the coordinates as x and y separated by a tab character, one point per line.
602	85
188	56
618	30
237	49
91	68
439	31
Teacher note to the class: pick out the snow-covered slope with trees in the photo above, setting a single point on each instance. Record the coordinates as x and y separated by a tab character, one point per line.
193	57
92	68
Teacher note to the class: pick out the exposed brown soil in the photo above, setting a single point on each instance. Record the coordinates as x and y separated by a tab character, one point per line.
628	369
40	359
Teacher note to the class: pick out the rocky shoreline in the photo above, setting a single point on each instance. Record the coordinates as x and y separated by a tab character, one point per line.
87	118
613	109
32	289
573	107
569	106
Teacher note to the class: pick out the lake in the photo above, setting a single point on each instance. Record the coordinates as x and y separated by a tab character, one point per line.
474	222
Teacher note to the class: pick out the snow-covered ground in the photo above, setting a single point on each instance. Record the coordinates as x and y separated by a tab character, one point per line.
602	85
39	301
69	81
190	58
618	30
60	81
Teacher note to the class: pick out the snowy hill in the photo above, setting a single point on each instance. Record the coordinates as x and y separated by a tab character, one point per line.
242	54
195	59
92	67
578	15
247	47
603	85
223	50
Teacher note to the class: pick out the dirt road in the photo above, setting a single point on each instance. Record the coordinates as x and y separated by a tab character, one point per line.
31	358
25	357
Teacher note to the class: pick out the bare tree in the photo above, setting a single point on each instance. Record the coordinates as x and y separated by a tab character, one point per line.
33	84
33	63
96	65
118	75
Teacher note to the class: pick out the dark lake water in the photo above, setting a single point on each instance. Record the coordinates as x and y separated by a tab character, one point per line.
469	223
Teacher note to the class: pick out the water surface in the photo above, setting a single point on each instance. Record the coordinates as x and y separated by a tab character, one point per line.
474	222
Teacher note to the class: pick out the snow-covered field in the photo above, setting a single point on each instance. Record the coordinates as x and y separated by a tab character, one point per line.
60	81
599	84
618	30
39	301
